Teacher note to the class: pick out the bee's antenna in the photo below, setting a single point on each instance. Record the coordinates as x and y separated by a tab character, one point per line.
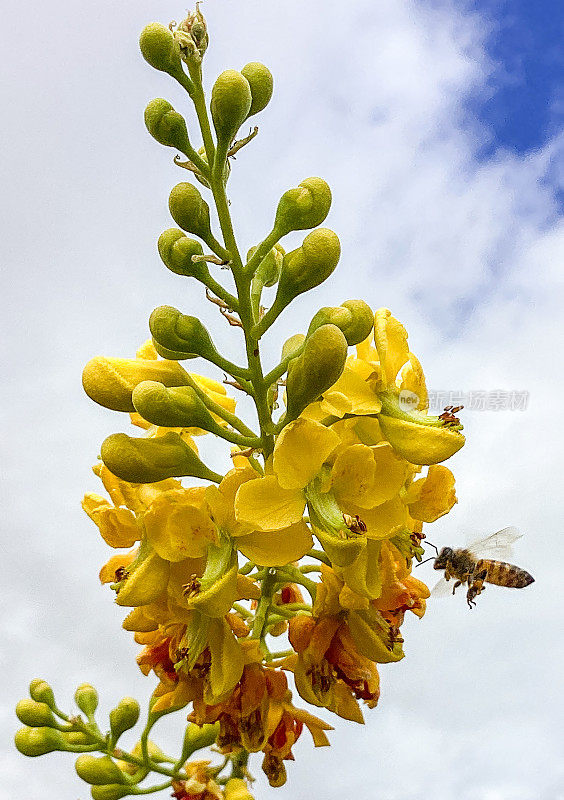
432	545
431	558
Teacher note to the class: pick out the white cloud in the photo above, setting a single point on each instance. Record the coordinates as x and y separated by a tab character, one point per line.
466	251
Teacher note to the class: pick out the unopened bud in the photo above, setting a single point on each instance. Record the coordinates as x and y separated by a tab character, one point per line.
269	268
176	251
39	741
35	714
197	737
261	83
166	125
236	789
354	318
110	381
308	265
181	333
86	698
190	211
149	460
172	408
306	206
160	50
124	716
316	369
99	770
111	791
231	101
42	692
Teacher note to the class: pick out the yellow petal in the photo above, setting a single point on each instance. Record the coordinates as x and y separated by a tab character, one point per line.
364	575
146	583
276	548
176	527
418	443
435	494
344	704
391	342
353	474
221	500
361	398
300	451
117	526
226	662
264	504
108	572
384	520
413	380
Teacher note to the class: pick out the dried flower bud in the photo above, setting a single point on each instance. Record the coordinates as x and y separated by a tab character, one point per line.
149	460
230	105
166	125
261	83
306	206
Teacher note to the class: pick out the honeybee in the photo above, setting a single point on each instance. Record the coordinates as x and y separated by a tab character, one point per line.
476	565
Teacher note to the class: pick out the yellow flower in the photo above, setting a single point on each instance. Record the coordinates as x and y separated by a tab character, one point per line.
277	501
178	524
265	514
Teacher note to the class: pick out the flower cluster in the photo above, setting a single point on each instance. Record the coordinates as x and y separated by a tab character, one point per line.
308	538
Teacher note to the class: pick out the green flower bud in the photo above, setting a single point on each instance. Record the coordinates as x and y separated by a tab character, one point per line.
110	381
166	125
160	50
35	714
111	791
76	737
303	207
190	211
362	321
354	318
308	265
292	345
197	737
261	83
124	716
269	268
181	333
176	251
42	692
316	369
230	105
172	408
86	698
98	771
151	460
39	741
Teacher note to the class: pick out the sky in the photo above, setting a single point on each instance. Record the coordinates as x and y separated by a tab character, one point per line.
439	126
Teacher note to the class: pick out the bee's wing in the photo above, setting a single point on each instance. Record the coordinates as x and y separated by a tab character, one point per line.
442	588
498	545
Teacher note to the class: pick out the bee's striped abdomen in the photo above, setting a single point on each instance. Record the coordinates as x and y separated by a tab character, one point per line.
503	574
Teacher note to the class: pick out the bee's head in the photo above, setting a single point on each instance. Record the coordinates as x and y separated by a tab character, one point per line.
443	558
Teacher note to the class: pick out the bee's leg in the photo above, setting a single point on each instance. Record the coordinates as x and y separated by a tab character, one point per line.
475	587
456	585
